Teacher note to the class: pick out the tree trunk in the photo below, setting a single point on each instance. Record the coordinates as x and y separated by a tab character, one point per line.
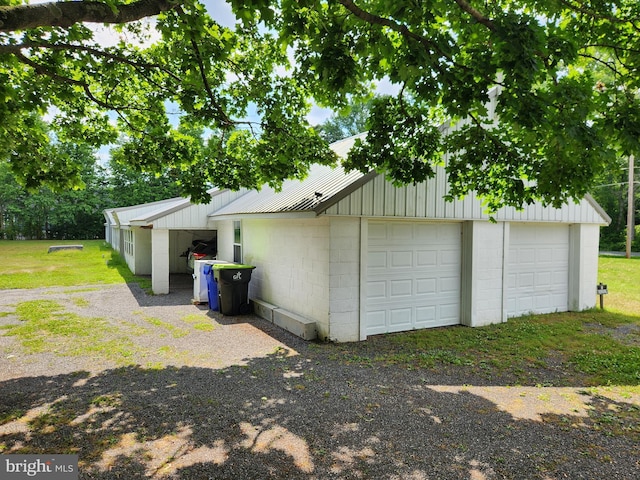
65	14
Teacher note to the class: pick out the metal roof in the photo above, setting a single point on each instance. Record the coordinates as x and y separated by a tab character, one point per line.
172	207
124	215
147	212
323	186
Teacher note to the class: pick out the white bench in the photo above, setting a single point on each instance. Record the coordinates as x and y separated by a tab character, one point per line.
296	324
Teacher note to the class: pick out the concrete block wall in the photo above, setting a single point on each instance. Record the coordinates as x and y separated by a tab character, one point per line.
344	280
160	261
292	265
584	242
483	260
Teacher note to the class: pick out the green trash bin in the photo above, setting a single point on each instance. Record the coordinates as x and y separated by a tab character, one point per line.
233	287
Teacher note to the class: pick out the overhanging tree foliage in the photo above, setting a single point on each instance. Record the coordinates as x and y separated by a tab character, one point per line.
347	123
560	122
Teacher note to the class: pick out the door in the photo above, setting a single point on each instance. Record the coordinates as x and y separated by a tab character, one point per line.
412	276
538	269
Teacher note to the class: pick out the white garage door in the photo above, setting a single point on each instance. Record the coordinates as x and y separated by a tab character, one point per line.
413	276
538	269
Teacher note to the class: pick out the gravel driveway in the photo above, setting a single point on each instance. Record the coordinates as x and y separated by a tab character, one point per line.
202	396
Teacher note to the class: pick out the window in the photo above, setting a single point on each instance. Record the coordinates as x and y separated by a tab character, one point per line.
128	242
237	242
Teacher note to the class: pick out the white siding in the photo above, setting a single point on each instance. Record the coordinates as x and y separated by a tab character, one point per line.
192	216
125	214
116	235
380	198
142	249
195	216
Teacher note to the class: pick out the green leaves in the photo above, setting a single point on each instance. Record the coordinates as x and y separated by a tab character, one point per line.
227	105
400	142
483	158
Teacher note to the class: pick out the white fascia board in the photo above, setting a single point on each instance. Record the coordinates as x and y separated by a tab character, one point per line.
598	208
283	215
140	223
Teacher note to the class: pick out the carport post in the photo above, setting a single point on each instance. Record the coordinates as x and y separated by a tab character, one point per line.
160	261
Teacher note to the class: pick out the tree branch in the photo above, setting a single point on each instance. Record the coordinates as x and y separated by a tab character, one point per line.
464	5
608	65
221	114
386	22
66	14
43	70
403	30
14	49
580	7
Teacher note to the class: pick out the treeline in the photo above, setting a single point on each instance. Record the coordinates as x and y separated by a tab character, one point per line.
74	214
612	193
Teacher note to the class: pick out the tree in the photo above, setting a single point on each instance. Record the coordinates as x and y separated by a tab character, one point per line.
126	186
39	213
351	121
612	194
9	194
559	126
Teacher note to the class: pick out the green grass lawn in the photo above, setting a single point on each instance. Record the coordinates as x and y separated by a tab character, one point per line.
26	264
622	277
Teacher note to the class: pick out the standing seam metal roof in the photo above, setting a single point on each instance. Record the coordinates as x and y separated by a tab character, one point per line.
308	195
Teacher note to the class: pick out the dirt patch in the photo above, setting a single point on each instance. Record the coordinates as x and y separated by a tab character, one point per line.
625	334
129	327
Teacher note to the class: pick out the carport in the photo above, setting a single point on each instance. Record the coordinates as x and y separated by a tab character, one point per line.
153	238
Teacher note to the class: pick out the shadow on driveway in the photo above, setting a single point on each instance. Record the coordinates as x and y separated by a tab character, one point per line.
242	399
286	416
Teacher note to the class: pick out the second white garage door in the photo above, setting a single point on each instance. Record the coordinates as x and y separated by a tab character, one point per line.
413	276
538	269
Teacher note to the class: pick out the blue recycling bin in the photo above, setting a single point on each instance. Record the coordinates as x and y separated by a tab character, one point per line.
212	287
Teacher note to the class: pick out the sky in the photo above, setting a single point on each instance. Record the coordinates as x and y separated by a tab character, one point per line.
221	12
